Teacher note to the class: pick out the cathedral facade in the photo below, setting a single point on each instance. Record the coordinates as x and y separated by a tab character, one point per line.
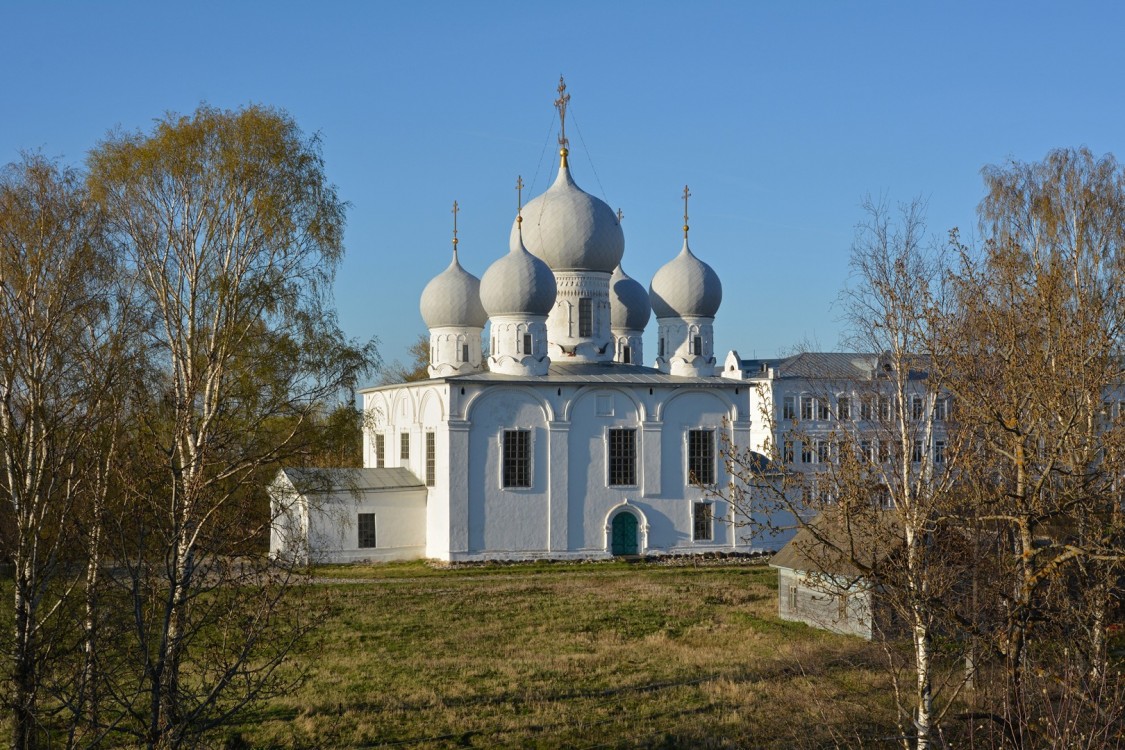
563	443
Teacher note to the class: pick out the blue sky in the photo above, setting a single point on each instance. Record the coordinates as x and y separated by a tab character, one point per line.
780	116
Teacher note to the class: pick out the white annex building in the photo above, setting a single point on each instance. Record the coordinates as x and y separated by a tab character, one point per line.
564	444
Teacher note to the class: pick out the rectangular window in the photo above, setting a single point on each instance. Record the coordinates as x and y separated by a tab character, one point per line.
789	408
527	344
464	352
787	451
621	458
366	527
696	345
517	458
380	450
431	460
916	452
884	452
702	526
844	408
792	598
884	408
701	457
807	452
939	451
917	407
940	410
865	409
585	316
806	407
404	446
822	409
660	348
823	452
627	355
866	451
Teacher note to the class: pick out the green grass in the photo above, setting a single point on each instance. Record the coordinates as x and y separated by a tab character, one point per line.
609	655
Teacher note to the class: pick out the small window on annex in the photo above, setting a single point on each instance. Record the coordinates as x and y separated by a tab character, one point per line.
431	460
701	457
621	458
366	526
404	446
516	469
701	528
585	316
380	450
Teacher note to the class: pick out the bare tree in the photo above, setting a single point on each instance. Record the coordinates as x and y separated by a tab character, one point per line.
58	339
232	233
1036	370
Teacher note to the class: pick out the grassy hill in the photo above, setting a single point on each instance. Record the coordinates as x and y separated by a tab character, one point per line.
589	655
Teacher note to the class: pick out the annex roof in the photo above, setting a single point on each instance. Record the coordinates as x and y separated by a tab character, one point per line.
829	545
307	480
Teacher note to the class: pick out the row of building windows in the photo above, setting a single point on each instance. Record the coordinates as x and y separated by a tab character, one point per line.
621	457
870	408
871	451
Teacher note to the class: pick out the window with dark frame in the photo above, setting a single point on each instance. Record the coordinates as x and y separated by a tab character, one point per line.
527	343
660	347
431	460
701	523
701	457
516	471
366	526
585	316
404	446
627	355
380	450
697	345
621	458
464	352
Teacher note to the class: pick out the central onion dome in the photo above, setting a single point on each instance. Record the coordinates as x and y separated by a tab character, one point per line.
452	299
518	284
570	229
629	307
685	287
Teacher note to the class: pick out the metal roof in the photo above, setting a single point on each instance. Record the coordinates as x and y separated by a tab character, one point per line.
583	373
351	480
824	365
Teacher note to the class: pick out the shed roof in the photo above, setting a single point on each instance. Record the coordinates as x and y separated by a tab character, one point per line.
832	543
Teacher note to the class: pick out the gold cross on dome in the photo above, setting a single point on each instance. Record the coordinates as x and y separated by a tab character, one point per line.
519	199
560	105
455	210
687	194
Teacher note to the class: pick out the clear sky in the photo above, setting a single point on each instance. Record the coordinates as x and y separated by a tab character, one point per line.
780	116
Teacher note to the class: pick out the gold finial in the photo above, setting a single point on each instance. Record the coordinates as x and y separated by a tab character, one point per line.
455	210
519	200
687	194
620	215
560	105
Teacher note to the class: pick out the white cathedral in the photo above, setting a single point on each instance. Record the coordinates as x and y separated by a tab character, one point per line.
566	445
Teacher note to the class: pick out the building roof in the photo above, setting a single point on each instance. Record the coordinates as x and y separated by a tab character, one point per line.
581	373
351	480
830	545
821	365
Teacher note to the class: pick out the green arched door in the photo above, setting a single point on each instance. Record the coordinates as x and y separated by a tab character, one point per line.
623	534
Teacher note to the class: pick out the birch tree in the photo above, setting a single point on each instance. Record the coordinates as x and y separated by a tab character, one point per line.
232	232
58	359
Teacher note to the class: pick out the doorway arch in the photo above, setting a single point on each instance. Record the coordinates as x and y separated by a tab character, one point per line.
624	534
